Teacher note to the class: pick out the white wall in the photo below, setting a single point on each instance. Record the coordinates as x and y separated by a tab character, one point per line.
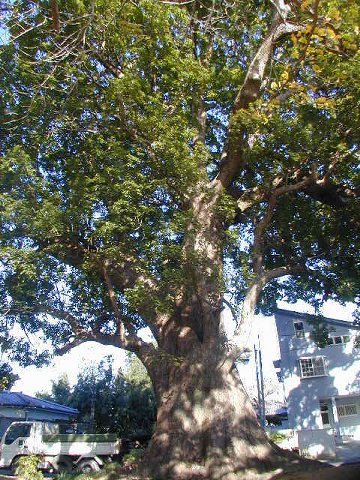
303	394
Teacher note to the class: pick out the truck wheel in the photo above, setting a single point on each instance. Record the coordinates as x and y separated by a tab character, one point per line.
88	465
15	464
61	464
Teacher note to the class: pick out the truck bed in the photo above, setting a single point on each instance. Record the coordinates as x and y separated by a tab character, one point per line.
79	437
80	444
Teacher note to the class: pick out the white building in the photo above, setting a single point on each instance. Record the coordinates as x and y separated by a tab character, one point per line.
321	385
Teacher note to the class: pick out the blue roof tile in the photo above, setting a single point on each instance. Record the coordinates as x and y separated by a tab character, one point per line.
19	399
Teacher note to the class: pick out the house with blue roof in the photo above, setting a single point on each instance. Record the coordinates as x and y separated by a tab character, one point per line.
16	406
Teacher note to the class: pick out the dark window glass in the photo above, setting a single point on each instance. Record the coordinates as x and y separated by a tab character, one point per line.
17	431
299	329
324	410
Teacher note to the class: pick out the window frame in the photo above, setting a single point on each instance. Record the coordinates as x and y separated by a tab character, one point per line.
313	366
299	332
343	406
325	414
331	339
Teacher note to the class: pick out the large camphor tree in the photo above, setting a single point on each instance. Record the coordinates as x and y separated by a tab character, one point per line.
161	159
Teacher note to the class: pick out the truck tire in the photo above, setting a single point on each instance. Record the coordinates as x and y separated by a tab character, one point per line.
15	463
61	463
88	465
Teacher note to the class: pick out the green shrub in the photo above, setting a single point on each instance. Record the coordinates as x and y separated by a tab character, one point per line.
74	476
276	436
26	468
134	455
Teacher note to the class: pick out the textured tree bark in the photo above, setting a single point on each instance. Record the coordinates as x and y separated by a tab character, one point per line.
206	426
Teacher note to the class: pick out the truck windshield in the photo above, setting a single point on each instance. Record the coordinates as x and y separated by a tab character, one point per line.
17	431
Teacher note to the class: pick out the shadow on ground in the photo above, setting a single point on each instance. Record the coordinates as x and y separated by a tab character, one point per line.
341	472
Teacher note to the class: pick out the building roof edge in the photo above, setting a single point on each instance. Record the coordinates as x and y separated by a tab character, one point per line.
308	316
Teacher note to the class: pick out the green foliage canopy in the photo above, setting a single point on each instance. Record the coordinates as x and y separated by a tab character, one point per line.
114	124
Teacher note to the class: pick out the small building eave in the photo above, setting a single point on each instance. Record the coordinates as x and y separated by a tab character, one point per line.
19	400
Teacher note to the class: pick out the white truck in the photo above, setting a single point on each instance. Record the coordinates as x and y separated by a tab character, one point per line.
58	452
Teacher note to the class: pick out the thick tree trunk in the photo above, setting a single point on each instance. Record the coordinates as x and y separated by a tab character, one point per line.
206	425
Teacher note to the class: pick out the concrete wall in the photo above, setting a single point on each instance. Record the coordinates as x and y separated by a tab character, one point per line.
316	443
350	425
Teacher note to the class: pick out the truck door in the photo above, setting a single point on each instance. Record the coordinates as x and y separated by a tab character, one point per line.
15	442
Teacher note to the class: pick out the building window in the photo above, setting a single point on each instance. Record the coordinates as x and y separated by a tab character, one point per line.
338	340
346	410
299	329
312	367
324	411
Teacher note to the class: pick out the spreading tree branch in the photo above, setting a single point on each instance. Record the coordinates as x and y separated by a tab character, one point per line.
74	252
232	158
330	193
113	301
262	225
242	333
55	15
80	334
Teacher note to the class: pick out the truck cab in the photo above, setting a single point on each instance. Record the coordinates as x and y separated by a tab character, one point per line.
18	440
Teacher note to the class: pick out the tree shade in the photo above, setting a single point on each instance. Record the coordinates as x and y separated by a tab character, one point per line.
159	158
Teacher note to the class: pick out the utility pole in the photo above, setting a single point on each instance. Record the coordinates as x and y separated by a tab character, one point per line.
260	383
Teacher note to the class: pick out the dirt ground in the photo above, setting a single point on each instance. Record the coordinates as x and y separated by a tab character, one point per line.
342	472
